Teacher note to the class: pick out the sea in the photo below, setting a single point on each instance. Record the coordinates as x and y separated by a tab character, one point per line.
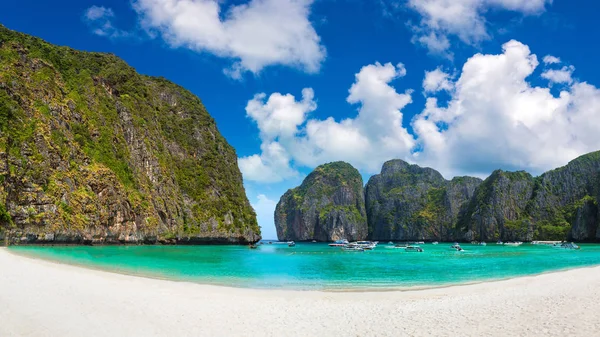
316	266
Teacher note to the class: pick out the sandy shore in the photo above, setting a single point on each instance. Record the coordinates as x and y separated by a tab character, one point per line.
40	298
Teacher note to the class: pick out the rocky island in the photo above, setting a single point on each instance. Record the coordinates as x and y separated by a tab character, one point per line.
406	202
328	206
93	152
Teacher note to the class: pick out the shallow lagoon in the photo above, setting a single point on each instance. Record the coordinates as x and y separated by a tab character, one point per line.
318	266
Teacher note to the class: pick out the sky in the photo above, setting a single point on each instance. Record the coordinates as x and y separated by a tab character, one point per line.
462	86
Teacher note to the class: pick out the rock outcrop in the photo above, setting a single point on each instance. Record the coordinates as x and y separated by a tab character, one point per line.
496	210
408	202
92	152
327	206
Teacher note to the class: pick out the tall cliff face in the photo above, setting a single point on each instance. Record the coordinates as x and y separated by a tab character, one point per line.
408	202
92	152
327	206
500	200
560	204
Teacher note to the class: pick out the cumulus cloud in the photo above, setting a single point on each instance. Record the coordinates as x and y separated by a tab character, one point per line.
278	118
562	75
437	80
100	20
549	59
497	118
464	19
256	34
374	135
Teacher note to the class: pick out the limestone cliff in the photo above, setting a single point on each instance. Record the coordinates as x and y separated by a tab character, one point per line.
560	204
327	206
408	202
92	152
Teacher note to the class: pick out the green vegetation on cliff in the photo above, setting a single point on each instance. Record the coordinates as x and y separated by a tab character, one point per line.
91	150
328	205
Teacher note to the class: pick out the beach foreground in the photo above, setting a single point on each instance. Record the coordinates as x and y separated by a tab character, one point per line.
41	298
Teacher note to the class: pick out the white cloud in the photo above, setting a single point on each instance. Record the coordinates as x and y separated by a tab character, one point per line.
549	59
265	209
98	12
497	118
256	34
437	80
100	21
271	166
367	140
562	75
464	19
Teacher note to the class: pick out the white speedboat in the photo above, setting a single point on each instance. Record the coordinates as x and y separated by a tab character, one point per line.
456	247
398	246
434	243
499	242
566	245
482	243
339	243
413	249
352	248
291	244
390	243
514	244
368	245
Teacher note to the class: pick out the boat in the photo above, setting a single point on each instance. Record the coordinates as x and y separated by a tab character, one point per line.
390	243
291	244
339	243
566	245
314	241
499	242
434	243
398	246
483	244
413	249
456	247
352	248
513	244
368	245
253	246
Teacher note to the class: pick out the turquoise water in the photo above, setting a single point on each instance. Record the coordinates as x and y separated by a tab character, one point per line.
318	266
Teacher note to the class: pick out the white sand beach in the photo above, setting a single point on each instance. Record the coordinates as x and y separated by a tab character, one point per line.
40	298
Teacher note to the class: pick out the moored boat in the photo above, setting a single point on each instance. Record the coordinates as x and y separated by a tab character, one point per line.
434	243
566	245
456	247
291	244
397	246
413	249
353	248
513	244
339	243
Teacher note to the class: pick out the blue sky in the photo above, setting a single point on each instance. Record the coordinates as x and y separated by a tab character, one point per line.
463	86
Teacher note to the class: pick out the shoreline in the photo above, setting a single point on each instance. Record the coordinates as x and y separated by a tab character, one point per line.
323	290
44	298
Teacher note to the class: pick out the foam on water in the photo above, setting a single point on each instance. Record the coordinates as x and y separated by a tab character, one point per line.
318	266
